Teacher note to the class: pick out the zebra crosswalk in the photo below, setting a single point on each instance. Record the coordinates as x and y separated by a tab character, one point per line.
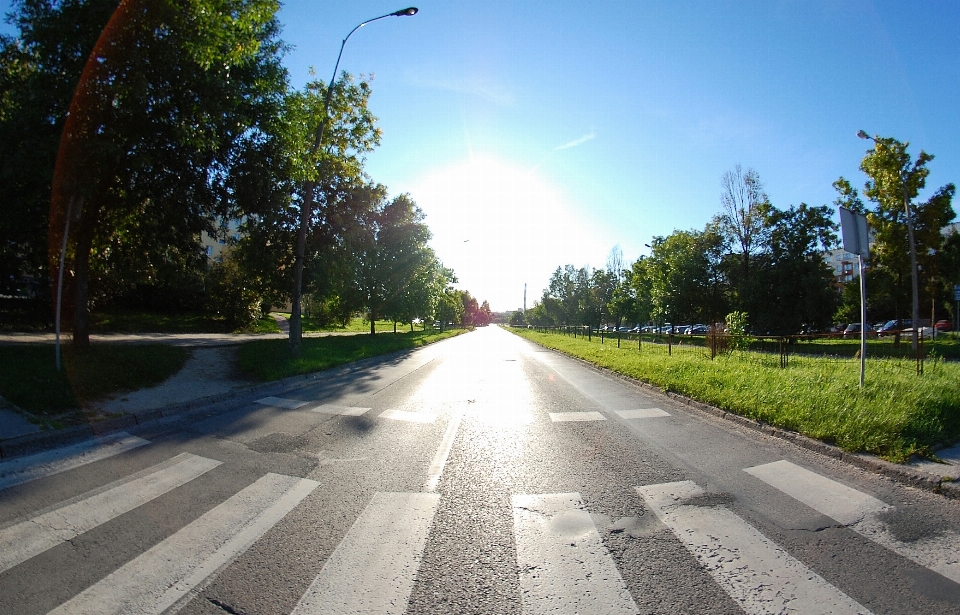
563	563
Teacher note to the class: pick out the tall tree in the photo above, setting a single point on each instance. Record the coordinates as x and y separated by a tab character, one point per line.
39	70
743	223
167	99
895	177
792	270
390	256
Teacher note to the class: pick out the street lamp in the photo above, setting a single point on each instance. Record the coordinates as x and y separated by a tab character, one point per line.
296	325
915	315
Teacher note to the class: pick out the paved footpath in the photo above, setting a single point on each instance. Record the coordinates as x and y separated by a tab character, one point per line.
210	374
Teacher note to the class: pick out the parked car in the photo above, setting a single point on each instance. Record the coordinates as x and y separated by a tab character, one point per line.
853	330
926	333
698	330
943	325
890	327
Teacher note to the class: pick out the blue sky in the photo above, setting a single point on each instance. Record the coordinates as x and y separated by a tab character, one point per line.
536	134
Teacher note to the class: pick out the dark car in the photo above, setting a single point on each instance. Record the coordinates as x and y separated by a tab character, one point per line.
890	327
853	330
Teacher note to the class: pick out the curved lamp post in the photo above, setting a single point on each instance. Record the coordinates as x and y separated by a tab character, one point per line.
296	325
915	315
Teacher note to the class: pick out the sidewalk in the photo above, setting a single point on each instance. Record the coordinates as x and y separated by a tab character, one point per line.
209	374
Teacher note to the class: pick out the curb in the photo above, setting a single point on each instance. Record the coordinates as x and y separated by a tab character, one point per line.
903	474
44	440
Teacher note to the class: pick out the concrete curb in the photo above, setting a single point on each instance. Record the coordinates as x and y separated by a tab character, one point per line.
44	440
900	473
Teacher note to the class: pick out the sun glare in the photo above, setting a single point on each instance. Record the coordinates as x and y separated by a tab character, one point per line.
499	226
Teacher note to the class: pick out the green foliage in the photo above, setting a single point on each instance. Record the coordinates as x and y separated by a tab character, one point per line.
230	297
896	415
170	102
737	329
895	179
39	69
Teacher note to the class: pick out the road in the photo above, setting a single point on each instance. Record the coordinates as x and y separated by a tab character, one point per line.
482	474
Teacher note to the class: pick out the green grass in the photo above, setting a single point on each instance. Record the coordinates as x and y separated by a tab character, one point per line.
356	325
270	359
29	378
897	414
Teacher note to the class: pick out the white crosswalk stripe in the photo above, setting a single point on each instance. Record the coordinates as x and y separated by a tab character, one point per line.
341	410
281	402
563	417
25	469
372	570
862	513
759	575
29	538
410	417
642	413
564	567
173	570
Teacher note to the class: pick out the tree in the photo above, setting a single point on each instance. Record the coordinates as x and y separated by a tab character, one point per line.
390	255
685	283
894	177
344	196
39	70
743	224
792	271
170	98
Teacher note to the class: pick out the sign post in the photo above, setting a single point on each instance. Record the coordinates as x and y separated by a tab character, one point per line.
856	239
956	311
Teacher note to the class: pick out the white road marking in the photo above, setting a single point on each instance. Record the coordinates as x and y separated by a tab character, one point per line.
413	417
440	459
25	469
562	417
759	575
564	567
29	538
341	410
373	568
175	569
863	513
642	413
280	402
826	496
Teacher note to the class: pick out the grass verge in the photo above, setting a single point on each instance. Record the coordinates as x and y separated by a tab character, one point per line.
29	378
356	325
270	359
897	414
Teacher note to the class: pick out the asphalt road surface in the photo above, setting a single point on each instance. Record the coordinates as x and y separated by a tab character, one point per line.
482	474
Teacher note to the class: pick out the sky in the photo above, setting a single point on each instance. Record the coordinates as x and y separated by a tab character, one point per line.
536	134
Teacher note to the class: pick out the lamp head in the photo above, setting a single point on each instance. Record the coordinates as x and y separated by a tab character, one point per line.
863	135
407	12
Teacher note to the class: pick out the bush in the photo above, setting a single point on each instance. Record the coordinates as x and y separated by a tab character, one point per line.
230	295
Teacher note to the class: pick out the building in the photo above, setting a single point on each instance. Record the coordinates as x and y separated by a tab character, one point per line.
844	265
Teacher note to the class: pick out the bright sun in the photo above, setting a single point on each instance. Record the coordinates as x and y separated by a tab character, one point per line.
499	226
